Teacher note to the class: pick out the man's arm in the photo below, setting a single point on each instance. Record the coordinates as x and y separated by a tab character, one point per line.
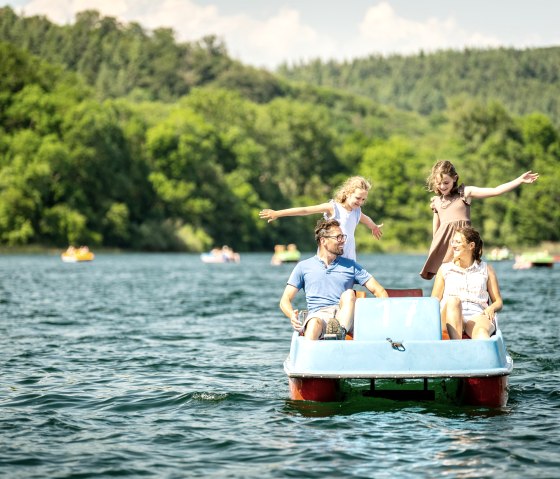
373	286
287	308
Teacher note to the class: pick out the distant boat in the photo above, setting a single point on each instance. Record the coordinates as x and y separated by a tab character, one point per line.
533	260
220	255
77	255
283	254
499	254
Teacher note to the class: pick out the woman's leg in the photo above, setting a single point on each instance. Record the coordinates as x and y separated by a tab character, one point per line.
479	327
453	314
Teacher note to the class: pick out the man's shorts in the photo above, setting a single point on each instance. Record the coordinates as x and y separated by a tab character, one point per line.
323	314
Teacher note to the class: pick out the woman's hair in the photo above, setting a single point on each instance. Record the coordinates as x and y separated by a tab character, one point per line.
472	236
443	167
323	227
349	186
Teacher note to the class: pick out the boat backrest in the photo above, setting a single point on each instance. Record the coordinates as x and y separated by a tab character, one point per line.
397	318
402	293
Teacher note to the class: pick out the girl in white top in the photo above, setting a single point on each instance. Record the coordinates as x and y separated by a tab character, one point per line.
468	289
345	208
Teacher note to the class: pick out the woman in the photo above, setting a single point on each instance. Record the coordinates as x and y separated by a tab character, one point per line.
464	287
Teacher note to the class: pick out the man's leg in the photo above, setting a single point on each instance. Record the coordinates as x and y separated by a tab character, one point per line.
314	328
345	314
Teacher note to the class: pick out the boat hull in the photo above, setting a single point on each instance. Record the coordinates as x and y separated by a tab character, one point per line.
490	392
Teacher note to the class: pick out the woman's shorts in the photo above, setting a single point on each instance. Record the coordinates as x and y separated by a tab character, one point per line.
470	310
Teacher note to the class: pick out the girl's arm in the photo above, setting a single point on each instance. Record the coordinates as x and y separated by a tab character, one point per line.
494	293
375	229
435	224
439	286
476	192
271	215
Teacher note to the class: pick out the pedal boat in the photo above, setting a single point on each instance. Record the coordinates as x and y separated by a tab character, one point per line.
398	348
77	256
533	260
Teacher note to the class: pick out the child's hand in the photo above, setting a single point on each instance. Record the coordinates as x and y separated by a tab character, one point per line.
529	177
376	230
270	215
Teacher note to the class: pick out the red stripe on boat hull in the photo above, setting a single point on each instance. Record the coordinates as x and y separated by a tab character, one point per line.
314	389
486	392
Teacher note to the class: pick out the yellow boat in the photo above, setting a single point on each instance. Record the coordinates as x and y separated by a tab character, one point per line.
76	255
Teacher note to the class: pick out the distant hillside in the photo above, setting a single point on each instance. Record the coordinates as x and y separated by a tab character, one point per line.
126	60
524	81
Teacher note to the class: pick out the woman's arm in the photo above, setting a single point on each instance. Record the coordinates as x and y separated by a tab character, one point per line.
271	215
476	192
494	293
375	229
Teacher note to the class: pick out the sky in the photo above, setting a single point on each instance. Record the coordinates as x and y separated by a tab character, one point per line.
267	33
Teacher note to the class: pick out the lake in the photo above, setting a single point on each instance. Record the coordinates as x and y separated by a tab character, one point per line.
157	365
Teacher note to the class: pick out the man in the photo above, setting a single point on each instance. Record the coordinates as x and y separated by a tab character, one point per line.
327	279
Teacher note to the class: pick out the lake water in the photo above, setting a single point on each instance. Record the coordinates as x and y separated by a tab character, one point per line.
155	365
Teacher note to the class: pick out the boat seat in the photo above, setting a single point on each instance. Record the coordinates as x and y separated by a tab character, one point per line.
376	319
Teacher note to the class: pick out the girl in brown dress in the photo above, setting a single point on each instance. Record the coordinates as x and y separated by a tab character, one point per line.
452	209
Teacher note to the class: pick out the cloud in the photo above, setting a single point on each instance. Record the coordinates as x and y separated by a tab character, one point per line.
281	37
64	11
383	31
265	42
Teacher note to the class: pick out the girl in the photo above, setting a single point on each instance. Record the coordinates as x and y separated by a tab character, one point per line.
345	208
452	209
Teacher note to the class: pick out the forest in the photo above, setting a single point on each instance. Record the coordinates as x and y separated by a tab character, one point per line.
115	136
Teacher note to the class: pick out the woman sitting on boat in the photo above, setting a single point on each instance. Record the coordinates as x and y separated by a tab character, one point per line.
464	287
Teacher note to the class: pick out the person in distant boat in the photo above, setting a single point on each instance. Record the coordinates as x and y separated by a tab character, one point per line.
345	208
328	279
229	255
279	250
452	209
468	289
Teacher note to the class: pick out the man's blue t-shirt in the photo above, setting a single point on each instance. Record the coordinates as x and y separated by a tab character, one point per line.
323	284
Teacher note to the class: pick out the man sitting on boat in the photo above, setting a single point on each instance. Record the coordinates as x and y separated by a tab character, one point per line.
327	279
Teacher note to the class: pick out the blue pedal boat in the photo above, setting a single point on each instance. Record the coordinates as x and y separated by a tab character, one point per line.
397	345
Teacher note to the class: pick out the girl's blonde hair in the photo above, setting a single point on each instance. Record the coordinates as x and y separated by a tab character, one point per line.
349	186
443	167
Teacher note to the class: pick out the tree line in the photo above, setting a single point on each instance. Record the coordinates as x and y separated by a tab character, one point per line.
189	165
524	81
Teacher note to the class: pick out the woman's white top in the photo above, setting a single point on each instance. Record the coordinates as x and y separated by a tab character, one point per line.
469	284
